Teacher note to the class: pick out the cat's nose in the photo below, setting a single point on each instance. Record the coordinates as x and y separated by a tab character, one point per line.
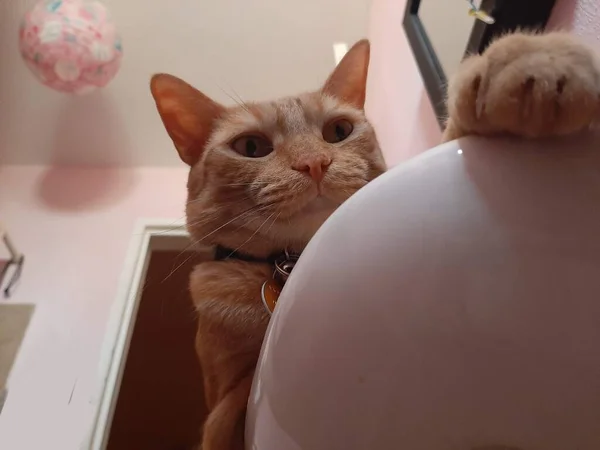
313	165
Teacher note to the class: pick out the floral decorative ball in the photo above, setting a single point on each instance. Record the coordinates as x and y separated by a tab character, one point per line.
71	46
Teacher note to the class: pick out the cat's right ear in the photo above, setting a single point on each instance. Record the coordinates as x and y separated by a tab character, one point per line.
188	115
348	82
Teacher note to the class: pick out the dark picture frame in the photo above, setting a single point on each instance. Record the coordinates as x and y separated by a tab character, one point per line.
509	15
15	261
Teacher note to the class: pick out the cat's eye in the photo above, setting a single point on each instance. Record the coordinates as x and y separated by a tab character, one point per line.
337	130
252	146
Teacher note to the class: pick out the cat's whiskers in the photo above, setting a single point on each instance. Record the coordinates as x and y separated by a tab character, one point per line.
251	210
253	234
172	228
237	95
238	102
228	204
179	266
272	223
215	214
252	183
258	216
246	223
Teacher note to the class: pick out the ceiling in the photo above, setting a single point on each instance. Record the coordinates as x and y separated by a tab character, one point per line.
254	49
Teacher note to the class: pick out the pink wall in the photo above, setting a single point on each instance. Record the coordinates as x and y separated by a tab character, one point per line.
398	104
74	226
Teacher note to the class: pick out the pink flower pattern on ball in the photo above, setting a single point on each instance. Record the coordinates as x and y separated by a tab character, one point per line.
71	45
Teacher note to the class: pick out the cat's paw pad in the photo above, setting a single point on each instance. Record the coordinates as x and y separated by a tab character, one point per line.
528	85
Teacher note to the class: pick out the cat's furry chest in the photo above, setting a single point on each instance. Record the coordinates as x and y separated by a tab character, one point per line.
226	294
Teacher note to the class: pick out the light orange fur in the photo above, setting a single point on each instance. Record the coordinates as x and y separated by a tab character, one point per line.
258	206
525	85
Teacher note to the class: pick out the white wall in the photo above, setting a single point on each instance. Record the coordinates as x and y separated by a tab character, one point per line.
259	48
448	25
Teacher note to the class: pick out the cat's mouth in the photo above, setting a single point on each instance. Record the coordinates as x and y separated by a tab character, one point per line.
311	206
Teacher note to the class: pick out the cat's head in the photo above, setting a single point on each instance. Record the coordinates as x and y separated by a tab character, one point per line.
265	176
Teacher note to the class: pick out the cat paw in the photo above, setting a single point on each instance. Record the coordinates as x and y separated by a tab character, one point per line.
526	85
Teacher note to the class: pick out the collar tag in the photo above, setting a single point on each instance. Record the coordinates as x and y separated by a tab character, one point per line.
271	289
270	294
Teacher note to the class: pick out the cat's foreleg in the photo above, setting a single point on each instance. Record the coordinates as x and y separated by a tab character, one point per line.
530	85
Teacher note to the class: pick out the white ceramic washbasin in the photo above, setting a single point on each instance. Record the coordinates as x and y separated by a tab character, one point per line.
453	303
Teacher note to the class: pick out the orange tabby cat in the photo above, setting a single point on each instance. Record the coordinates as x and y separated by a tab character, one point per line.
264	177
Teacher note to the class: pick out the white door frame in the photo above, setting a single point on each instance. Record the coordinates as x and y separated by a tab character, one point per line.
149	235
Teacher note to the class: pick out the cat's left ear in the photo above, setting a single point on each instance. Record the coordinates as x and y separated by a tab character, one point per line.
348	82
